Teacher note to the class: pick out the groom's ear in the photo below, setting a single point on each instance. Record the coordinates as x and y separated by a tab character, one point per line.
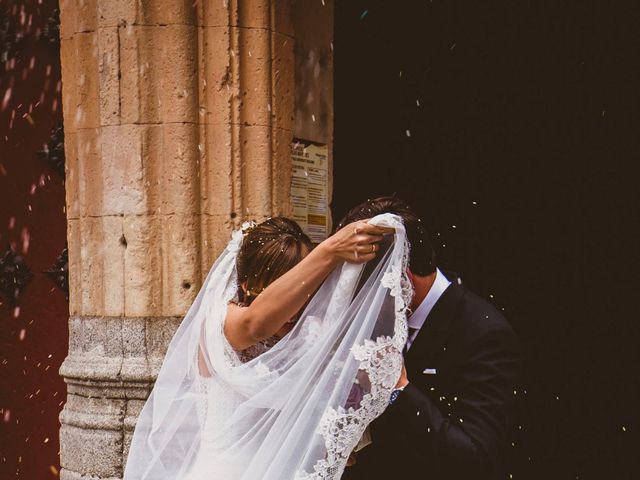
410	275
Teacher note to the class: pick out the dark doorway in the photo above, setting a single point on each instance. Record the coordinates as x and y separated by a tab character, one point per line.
513	128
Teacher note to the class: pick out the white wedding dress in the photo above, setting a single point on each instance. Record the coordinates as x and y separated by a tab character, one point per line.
220	405
287	410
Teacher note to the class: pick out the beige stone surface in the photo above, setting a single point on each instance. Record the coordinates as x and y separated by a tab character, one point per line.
178	118
281	176
87	80
90	270
116	13
109	75
142	265
78	16
72	176
180	262
68	68
215	233
217	86
88	171
118	185
112	255
255	76
216	171
178	168
80	80
159	73
74	256
283	88
174	12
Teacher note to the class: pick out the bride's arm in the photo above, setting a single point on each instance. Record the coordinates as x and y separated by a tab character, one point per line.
281	300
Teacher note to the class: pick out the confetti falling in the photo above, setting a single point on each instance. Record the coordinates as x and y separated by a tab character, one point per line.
452	170
20	118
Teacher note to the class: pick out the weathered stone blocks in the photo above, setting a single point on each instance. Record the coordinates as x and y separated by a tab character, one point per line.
178	121
78	16
158	73
143	265
180	262
109	75
119	180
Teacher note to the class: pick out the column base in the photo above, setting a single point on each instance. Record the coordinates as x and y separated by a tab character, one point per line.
110	370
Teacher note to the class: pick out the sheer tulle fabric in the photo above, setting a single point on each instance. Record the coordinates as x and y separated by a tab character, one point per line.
298	409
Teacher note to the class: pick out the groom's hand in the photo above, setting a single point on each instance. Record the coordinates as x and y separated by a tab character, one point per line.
403	381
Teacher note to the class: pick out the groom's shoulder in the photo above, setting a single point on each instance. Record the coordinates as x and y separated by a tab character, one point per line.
480	316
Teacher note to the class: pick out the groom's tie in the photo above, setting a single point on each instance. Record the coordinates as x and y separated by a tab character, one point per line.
410	339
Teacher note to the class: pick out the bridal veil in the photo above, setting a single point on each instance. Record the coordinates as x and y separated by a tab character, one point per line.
297	410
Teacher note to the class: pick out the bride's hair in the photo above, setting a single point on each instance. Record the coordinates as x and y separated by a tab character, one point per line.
269	249
422	253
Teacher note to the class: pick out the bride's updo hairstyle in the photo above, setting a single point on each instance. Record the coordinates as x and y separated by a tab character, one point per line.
268	250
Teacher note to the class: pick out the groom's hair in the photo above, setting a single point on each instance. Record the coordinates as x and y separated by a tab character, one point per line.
423	256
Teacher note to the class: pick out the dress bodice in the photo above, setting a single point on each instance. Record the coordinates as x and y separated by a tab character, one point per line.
216	437
258	349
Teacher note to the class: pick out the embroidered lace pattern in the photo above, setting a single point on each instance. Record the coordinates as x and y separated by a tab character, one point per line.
380	364
257	350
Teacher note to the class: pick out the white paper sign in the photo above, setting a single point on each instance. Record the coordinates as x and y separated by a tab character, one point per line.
309	188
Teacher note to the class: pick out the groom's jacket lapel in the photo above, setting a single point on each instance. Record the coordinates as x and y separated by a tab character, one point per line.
431	340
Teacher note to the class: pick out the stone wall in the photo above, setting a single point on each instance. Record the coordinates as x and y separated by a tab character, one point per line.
313	106
178	121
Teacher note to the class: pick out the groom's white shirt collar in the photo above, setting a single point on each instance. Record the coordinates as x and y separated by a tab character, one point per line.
417	318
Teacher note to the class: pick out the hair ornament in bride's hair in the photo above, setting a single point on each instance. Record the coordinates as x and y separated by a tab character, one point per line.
247	226
238	235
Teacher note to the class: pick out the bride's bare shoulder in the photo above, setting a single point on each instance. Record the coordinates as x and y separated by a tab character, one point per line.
235	306
234	311
233	326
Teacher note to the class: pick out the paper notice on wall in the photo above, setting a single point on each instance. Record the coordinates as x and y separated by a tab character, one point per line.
309	188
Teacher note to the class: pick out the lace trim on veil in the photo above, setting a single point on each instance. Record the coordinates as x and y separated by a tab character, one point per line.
380	361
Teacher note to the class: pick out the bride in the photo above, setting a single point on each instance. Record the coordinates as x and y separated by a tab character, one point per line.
284	358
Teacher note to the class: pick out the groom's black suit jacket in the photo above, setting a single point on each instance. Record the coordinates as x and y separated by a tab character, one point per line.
452	424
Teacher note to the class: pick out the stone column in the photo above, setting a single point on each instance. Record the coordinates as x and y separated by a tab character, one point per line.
178	119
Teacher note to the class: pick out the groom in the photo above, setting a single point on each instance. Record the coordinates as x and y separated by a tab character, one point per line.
449	415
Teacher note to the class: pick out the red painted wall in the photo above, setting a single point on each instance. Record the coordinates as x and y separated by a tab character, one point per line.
33	328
